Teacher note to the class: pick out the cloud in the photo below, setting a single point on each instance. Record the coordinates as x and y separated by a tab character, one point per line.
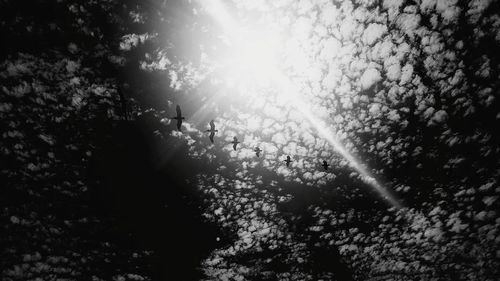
394	4
393	68
406	74
373	32
330	48
448	10
409	23
129	41
362	77
369	77
428	5
439	116
279	139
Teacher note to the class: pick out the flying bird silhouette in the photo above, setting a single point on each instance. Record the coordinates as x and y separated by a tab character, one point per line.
179	117
257	151
288	160
235	142
212	131
325	165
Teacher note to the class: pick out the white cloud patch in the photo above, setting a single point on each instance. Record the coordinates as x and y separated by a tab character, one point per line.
132	40
373	32
394	4
476	8
409	23
369	77
448	9
330	48
428	5
329	14
393	68
440	116
407	73
279	139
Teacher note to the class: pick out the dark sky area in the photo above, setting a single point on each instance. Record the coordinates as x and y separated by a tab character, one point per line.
388	110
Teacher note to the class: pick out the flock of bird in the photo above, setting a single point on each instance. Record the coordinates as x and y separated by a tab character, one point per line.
235	141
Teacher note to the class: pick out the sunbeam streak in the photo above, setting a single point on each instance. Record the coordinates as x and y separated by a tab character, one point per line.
287	87
255	57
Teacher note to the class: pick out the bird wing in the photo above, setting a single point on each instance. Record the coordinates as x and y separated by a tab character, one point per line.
179	123
179	112
212	134
212	125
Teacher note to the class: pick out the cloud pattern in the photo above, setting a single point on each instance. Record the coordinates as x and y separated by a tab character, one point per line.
368	69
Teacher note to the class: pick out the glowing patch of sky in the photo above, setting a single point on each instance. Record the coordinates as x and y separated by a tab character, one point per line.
253	54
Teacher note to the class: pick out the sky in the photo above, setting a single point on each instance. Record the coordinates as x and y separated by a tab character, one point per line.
309	79
355	75
400	98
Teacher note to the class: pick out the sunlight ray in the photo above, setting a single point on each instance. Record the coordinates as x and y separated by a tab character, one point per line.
285	88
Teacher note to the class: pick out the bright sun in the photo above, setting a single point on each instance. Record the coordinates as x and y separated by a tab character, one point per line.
251	49
253	58
252	61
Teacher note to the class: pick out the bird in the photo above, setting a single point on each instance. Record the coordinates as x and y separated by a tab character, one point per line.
288	160
235	142
179	117
257	151
212	131
325	165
